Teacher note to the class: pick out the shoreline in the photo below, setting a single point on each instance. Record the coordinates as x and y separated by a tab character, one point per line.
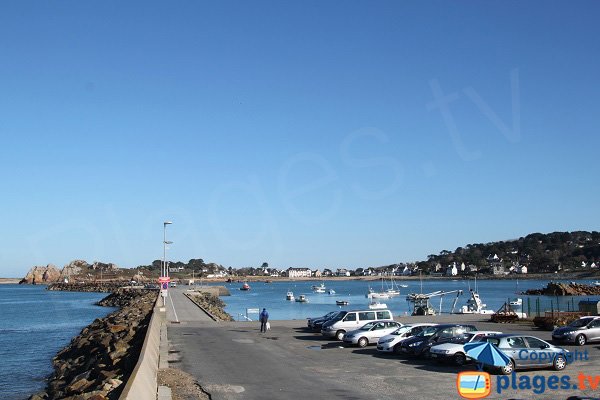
9	281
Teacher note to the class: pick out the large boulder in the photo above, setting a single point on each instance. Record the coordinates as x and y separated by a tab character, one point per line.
75	267
47	274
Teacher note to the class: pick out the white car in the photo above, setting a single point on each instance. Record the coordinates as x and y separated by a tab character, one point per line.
391	343
455	350
370	332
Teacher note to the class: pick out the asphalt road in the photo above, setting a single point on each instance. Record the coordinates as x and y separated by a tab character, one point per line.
234	360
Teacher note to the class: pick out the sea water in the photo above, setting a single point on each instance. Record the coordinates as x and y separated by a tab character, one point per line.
34	325
493	292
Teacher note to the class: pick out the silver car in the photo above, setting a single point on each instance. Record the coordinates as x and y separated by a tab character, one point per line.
581	331
371	332
528	352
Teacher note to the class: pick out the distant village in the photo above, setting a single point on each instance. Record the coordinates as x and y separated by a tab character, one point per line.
494	266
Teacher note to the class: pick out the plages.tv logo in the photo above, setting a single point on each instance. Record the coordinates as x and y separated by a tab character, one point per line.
473	384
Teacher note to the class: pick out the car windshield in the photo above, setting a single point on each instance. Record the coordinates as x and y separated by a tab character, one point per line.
428	332
580	322
401	331
368	326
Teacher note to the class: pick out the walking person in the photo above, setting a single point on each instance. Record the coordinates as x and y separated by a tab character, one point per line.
264	319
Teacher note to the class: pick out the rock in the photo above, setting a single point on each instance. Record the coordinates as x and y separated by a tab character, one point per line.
79	386
37	275
75	267
565	289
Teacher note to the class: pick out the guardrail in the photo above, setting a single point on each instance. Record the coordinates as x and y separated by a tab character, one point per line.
142	383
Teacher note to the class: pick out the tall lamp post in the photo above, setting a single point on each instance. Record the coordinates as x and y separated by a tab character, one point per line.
165	272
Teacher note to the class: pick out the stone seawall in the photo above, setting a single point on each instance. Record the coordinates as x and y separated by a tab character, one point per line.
98	362
104	287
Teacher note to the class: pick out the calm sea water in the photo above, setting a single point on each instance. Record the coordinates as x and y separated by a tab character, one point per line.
34	325
492	292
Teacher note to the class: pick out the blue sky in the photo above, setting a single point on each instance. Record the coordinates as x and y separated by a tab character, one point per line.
322	134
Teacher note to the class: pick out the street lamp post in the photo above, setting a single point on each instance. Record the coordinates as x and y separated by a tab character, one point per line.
165	272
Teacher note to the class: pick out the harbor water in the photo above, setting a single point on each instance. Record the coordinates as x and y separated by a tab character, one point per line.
35	325
493	292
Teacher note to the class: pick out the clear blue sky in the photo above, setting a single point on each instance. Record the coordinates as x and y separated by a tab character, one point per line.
322	134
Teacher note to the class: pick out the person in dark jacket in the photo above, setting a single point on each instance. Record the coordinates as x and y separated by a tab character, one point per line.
264	318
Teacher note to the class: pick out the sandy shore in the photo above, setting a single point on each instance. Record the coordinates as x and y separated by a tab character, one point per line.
6	281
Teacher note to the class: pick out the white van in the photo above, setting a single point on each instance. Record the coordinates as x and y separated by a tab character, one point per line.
351	320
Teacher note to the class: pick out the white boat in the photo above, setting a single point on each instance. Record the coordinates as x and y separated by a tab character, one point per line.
289	296
516	305
475	305
331	291
301	299
597	283
319	288
375	305
377	295
403	286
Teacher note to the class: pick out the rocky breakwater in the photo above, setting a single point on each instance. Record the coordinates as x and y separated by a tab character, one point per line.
211	304
565	289
105	287
98	362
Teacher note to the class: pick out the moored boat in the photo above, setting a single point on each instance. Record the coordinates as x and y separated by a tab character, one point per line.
342	302
375	305
301	299
319	288
245	286
289	296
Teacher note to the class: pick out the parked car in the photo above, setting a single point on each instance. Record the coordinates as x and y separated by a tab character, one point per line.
312	322
351	320
391	343
454	351
420	344
581	331
371	332
528	352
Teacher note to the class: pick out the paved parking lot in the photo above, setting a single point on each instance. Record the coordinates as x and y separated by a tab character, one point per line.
235	361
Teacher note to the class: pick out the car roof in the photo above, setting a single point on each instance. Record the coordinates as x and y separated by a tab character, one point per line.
450	325
507	335
494	333
380	320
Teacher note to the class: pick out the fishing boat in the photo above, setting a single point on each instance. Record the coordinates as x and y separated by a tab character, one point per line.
319	288
301	299
289	296
245	286
375	305
474	305
342	302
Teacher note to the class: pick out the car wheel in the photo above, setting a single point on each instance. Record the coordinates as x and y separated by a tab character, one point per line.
426	353
460	359
397	349
509	368
339	335
362	342
560	362
580	340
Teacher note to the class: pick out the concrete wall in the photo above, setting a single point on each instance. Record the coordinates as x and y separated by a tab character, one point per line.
142	384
